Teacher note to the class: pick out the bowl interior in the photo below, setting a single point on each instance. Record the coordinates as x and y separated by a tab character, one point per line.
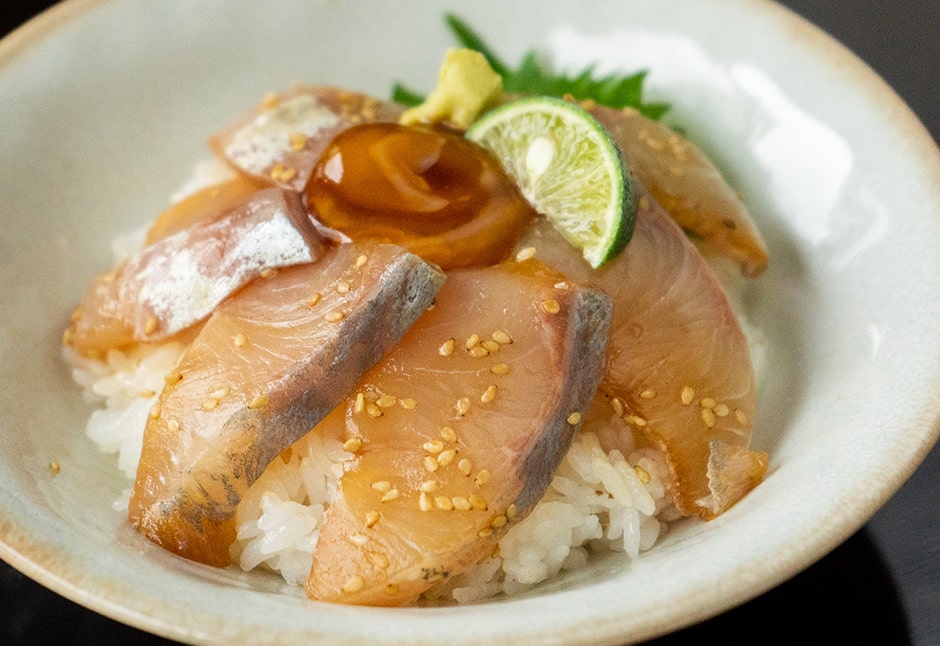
107	105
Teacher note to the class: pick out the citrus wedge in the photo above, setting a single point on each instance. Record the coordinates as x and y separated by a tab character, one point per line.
567	167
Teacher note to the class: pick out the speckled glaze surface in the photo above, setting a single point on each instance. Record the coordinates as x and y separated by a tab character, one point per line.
107	104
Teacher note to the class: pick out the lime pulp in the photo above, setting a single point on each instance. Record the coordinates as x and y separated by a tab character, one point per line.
568	167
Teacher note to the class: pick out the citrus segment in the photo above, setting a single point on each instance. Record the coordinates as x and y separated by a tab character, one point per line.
569	169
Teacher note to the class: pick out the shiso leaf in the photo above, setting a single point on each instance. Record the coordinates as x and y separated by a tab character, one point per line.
535	76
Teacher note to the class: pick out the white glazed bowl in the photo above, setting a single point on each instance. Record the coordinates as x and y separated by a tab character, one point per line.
106	105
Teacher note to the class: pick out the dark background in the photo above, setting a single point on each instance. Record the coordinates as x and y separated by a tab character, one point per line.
880	586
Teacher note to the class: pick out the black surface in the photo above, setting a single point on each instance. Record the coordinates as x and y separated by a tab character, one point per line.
881	586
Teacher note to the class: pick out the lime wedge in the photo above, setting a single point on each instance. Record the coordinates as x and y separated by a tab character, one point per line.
567	167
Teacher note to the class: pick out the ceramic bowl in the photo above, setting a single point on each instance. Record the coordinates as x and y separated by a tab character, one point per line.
106	105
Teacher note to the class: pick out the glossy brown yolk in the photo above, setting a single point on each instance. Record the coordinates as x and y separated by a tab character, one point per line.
433	192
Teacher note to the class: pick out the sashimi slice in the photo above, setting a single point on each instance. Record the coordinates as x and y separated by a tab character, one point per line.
457	432
268	365
282	139
688	186
204	204
679	366
179	280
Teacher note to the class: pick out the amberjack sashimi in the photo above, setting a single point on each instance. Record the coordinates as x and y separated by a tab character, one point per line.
688	186
178	280
458	431
268	365
678	363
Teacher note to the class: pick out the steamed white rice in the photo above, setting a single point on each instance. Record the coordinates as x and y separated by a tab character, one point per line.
608	495
602	498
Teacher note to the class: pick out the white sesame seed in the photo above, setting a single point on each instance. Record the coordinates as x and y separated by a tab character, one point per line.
477	502
502	337
465	466
447	348
258	402
708	416
617	405
500	369
490	345
353	584
387	401
433	446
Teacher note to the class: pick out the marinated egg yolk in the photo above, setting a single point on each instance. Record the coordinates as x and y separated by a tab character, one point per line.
431	191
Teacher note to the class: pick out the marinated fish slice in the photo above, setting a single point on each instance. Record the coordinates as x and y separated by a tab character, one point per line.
458	431
265	368
678	362
177	281
688	186
282	139
209	202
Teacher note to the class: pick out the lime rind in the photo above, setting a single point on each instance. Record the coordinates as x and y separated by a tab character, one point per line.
568	167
